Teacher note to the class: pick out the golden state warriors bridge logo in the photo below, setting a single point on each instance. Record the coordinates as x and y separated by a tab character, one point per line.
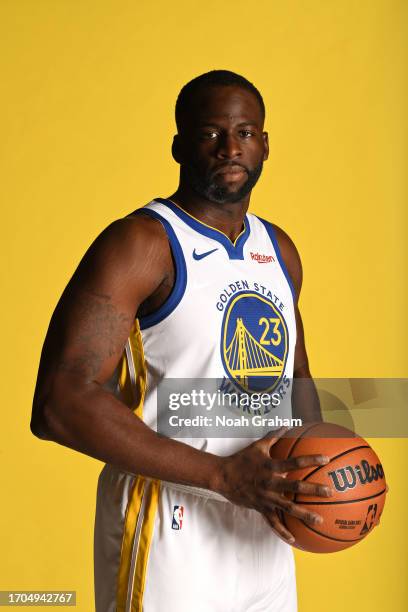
254	342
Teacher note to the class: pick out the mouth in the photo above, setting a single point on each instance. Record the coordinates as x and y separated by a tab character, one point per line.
231	173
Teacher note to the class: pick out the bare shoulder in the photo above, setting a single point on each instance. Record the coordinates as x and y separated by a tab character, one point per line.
132	234
290	256
134	243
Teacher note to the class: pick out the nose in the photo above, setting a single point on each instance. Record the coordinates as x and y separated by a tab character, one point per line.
229	147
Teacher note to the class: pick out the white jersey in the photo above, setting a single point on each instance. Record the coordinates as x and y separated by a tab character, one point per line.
229	319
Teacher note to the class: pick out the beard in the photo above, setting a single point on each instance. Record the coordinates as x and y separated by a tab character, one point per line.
206	186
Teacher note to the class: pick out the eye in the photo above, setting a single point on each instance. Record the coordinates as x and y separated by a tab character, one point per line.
210	135
246	133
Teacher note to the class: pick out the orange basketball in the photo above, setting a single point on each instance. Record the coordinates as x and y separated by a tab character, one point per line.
355	474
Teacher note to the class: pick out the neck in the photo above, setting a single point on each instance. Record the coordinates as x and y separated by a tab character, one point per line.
227	218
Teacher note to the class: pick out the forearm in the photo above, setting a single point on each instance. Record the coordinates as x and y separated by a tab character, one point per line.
96	423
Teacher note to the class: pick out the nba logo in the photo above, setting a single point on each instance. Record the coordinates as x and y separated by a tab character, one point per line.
178	512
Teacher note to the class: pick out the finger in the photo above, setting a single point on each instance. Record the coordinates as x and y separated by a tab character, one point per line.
272	437
284	485
275	435
274	500
296	463
278	527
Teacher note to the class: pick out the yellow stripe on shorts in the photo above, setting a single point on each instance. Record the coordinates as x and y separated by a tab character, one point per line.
145	540
131	520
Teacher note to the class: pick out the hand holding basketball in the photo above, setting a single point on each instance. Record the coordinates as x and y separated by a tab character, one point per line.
255	479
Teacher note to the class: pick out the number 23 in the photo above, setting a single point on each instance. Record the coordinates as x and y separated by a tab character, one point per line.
275	331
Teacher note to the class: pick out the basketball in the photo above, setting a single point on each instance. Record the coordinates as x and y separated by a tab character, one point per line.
354	473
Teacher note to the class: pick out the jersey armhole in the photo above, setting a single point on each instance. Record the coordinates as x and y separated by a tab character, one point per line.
180	282
272	235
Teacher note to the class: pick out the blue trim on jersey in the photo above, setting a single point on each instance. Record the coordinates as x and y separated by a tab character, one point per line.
181	274
234	250
274	240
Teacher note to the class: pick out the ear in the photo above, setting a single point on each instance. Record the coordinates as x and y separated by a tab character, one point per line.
266	145
176	149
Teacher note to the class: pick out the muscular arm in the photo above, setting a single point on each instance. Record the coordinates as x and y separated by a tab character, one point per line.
305	400
127	263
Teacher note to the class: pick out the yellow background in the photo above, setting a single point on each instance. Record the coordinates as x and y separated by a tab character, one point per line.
87	120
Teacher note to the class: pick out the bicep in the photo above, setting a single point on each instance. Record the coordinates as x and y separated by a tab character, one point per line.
93	318
87	333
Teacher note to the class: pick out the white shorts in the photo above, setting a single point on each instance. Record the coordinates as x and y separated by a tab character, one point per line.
169	548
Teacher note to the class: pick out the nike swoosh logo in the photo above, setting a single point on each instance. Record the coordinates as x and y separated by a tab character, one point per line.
198	256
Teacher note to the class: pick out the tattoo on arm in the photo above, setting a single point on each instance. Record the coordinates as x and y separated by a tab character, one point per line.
101	333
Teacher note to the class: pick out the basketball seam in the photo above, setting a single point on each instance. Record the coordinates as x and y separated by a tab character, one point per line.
348	501
331	537
297	440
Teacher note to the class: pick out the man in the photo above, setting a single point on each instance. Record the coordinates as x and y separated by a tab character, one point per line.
176	290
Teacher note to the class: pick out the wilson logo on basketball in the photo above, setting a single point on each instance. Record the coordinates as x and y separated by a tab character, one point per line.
347	477
262	258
